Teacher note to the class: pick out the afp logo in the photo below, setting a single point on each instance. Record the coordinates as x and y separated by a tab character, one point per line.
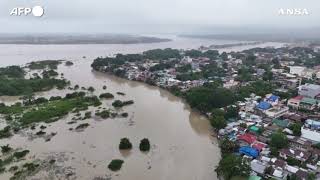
36	11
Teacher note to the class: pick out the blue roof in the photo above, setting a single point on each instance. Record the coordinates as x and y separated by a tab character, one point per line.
264	105
249	151
273	98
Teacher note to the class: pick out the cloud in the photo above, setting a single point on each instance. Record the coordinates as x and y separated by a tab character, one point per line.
120	15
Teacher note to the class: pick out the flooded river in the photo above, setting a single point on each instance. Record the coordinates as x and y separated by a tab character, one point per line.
182	145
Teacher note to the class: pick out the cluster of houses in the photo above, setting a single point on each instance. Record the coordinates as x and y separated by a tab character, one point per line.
259	117
165	78
263	117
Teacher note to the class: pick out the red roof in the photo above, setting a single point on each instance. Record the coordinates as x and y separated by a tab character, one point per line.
298	97
258	145
249	138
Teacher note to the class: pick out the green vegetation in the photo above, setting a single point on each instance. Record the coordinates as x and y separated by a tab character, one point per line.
54	110
125	144
293	162
82	126
104	87
115	164
227	146
20	154
296	129
12	72
69	63
46	64
231	165
5	132
91	89
5	149
106	96
118	103
14	87
144	145
87	115
260	88
162	54
12	81
124	114
40	133
26	170
279	140
207	98
121	93
103	114
46	111
218	122
49	73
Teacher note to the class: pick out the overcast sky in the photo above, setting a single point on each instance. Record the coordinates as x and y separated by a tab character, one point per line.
152	16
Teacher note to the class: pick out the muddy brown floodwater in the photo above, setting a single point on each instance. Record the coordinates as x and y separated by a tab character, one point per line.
182	146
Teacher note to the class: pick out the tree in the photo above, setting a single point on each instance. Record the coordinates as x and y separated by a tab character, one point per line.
227	146
218	122
311	176
224	56
5	149
232	112
296	129
115	164
279	140
267	76
231	165
125	144
91	89
144	145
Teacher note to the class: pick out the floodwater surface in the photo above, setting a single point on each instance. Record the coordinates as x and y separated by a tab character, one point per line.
183	147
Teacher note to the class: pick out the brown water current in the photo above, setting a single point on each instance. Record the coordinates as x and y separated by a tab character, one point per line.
182	144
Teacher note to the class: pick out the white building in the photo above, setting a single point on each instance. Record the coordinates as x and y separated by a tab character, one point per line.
310	134
276	112
297	70
309	90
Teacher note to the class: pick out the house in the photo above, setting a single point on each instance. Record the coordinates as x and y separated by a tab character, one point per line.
258	145
277	173
258	166
294	153
278	163
292	83
272	99
277	111
295	118
249	151
264	106
297	70
295	102
247	138
281	123
309	90
300	143
302	174
310	130
308	103
231	83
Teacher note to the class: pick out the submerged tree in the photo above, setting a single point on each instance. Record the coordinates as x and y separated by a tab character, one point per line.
144	145
125	144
